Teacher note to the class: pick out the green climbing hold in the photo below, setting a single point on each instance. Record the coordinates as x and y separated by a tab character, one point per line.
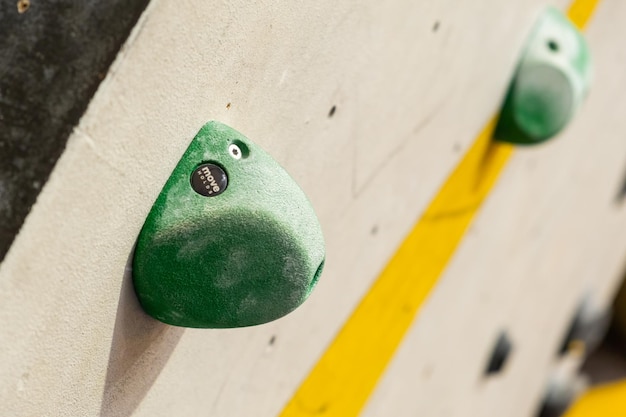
231	240
550	82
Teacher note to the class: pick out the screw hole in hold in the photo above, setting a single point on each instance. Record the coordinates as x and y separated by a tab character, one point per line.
500	354
234	151
238	150
553	45
332	111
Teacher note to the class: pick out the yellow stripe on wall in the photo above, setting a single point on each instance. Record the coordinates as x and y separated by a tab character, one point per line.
347	373
602	401
342	380
580	11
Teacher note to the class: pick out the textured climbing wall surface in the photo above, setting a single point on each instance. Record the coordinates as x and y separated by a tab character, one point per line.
411	84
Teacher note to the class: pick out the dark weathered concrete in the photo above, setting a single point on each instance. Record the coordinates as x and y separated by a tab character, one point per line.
53	55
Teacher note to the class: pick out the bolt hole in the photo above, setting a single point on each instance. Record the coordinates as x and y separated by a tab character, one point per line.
436	26
272	340
553	45
332	111
500	354
238	150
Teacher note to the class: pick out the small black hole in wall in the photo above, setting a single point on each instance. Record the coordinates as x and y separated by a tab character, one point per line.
553	45
499	355
332	111
436	26
272	340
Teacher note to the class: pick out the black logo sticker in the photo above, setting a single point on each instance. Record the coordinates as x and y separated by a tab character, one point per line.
209	180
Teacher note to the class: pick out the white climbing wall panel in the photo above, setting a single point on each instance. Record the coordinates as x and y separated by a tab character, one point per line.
412	84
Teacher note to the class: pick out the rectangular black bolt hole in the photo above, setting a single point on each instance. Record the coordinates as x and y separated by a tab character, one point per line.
500	354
